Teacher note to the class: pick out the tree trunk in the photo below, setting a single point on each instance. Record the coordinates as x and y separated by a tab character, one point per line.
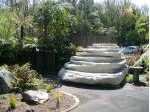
21	36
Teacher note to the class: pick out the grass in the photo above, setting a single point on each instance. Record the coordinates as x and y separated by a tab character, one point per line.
129	78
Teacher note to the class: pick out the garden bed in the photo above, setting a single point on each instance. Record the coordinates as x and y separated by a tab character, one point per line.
66	102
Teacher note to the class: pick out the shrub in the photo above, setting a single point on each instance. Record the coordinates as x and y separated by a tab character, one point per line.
144	56
58	95
143	61
12	102
129	78
24	77
78	48
147	76
49	87
2	98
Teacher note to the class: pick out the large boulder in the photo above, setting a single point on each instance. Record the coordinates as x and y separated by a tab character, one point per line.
35	97
93	78
97	64
5	81
92	67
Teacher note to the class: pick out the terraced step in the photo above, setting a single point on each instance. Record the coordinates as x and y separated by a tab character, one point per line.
92	78
98	50
92	67
99	54
95	59
112	47
104	44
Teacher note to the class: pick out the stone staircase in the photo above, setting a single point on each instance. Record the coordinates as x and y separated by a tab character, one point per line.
96	64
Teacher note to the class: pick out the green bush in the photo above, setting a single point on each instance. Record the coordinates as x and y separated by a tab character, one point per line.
12	102
49	87
129	78
24	77
143	61
78	48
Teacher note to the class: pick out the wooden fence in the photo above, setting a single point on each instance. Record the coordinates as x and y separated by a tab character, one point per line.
89	40
43	61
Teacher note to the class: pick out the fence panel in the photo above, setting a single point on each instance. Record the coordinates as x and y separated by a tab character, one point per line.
89	40
43	61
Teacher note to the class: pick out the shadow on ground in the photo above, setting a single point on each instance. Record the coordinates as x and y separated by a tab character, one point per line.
60	83
93	86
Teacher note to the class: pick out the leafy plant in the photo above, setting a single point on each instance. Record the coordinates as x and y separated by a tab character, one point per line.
78	48
12	102
2	97
58	96
129	78
49	87
144	56
23	77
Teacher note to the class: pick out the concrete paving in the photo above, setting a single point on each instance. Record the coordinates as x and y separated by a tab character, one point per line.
94	98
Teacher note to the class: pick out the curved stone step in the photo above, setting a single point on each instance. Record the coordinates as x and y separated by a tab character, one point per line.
95	59
93	78
98	50
106	54
104	44
113	47
92	67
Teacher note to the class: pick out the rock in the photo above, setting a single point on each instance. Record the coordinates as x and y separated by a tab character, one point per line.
93	78
98	50
100	54
113	47
93	67
5	81
104	44
35	97
95	59
97	64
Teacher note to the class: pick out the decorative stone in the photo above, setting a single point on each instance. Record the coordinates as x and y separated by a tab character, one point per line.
104	44
95	59
92	67
93	78
5	81
113	47
97	64
100	54
99	50
35	97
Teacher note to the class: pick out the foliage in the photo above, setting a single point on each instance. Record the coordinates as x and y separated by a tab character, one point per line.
12	102
58	96
147	76
143	60
7	29
129	78
23	77
78	48
49	87
2	98
54	23
131	59
142	27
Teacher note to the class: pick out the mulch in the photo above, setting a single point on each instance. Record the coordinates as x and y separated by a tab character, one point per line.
49	106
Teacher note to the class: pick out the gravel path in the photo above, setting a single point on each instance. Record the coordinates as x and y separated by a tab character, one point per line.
99	99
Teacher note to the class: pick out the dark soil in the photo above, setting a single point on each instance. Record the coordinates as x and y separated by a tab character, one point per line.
49	106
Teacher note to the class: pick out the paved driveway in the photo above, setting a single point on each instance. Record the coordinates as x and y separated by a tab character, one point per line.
99	99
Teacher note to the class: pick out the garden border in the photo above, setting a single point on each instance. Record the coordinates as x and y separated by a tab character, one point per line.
76	101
